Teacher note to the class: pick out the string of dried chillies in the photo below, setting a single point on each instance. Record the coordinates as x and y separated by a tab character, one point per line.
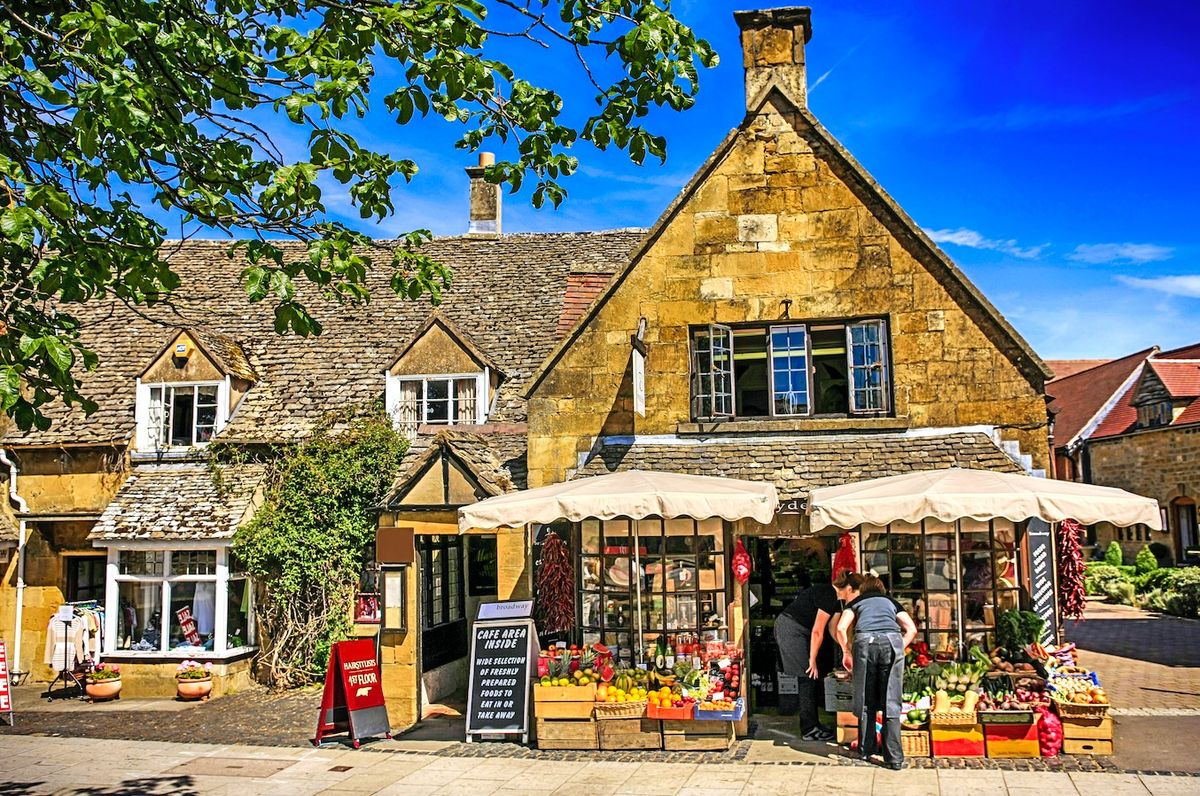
555	587
1073	596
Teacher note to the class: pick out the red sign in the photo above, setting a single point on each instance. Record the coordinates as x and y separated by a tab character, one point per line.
188	625
5	694
353	698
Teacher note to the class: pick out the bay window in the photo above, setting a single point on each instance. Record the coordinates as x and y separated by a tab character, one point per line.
790	370
177	601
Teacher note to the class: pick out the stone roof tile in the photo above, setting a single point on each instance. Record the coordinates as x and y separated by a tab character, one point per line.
507	294
797	465
180	502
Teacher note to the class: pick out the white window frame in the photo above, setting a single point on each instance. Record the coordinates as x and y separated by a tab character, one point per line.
726	332
220	579
720	402
146	440
882	366
482	398
808	368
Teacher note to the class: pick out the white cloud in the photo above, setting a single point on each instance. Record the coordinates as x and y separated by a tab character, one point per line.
1120	253
1187	285
974	240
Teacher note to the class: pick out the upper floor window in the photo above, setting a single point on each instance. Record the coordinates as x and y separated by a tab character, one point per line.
438	400
183	415
790	370
1154	414
180	415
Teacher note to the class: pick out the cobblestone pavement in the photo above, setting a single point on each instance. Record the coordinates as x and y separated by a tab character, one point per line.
40	765
1147	662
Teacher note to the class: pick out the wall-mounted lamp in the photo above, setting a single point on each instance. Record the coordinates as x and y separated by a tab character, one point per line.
787	308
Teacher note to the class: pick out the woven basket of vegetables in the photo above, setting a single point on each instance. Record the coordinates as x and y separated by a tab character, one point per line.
621	710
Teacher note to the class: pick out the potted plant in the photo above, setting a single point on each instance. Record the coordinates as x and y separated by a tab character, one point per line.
193	680
104	682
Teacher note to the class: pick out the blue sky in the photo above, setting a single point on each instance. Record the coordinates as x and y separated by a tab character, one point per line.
1052	149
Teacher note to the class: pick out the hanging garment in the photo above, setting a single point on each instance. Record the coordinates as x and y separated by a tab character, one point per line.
204	607
64	644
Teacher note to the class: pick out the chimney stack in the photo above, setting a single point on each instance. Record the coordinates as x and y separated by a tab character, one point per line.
773	51
485	200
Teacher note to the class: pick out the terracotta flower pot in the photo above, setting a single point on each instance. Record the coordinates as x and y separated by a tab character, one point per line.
103	689
194	689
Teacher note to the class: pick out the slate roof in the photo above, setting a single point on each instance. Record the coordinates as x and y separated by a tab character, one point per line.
507	294
179	502
797	465
1081	398
497	460
225	350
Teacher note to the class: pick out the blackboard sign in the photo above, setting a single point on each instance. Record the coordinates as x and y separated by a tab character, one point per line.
1042	577
502	654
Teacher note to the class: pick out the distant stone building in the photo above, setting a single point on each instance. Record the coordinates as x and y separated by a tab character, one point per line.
1134	423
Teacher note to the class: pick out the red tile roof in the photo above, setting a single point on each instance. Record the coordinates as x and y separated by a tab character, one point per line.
1189	415
1122	418
582	289
1181	377
1069	367
1186	352
1078	398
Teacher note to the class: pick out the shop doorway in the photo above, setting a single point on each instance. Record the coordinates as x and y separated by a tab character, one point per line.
782	568
85	578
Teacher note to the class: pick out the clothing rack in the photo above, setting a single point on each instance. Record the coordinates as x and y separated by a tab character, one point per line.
73	674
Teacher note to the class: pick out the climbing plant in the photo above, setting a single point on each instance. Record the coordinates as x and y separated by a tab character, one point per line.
308	542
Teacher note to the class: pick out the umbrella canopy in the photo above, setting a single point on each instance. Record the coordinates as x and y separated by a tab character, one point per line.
955	494
636	494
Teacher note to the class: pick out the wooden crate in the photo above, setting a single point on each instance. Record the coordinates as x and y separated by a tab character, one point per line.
564	701
1088	729
567	734
703	736
1075	746
966	741
630	734
1011	741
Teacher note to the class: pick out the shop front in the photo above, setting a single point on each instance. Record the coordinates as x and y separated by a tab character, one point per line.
673	615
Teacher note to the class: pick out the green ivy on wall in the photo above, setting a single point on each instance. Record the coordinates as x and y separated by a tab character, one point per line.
308	542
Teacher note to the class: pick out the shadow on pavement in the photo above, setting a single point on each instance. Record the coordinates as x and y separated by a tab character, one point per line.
176	786
1169	641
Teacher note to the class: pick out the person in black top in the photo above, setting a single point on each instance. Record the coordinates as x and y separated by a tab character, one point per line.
882	631
806	650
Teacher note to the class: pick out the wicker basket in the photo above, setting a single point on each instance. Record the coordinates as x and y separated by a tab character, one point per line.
621	710
1073	710
915	743
952	719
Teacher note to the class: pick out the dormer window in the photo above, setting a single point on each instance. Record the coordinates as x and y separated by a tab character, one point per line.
441	378
185	395
445	400
183	415
1154	414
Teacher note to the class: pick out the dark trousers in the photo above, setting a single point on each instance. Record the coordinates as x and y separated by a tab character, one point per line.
794	641
879	672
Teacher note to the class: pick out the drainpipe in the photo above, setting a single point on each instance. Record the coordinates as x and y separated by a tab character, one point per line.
23	507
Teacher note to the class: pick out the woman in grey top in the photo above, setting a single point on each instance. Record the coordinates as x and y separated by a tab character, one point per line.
882	631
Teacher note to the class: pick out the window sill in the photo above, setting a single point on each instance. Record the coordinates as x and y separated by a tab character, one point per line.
173	656
806	425
169	455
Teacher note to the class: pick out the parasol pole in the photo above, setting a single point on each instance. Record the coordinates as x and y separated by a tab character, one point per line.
637	565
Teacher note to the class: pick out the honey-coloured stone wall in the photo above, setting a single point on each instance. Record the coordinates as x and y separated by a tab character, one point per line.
780	214
1162	463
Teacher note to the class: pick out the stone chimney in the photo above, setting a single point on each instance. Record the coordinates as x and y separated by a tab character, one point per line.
485	199
773	51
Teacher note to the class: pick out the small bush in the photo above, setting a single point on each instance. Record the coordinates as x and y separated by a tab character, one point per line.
1098	577
1185	589
1157	579
1113	555
1119	591
1145	561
